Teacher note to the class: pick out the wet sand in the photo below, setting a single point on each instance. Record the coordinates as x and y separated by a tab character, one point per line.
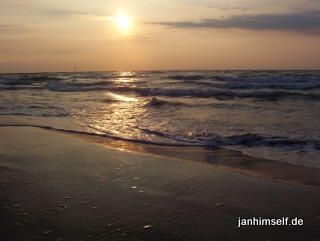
55	186
223	158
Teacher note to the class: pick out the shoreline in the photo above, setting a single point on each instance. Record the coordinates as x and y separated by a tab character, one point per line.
231	160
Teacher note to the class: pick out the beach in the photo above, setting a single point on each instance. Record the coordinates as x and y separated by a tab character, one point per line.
159	120
58	186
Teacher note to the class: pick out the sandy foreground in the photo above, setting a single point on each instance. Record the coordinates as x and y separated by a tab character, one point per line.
55	186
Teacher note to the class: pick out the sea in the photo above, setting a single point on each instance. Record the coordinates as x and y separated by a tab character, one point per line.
269	114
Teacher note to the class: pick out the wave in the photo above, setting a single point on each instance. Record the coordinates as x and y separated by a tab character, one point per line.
185	77
75	81
21	88
249	76
72	87
220	94
250	85
200	93
248	140
91	84
29	80
88	86
266	78
252	140
207	141
100	135
29	114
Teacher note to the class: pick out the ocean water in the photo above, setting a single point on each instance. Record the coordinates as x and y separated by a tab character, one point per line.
271	114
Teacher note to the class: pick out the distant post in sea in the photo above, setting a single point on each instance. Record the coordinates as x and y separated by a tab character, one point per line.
75	68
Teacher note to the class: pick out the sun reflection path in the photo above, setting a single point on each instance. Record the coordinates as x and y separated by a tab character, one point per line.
122	97
120	117
126	77
126	74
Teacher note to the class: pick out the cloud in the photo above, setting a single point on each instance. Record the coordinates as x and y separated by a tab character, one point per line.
61	12
228	8
8	28
307	22
57	13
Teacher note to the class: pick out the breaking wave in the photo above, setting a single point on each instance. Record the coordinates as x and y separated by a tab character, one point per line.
209	141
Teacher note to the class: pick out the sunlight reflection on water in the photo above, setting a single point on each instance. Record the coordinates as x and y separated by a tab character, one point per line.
121	97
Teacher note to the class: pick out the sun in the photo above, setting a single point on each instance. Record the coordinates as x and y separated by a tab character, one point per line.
123	23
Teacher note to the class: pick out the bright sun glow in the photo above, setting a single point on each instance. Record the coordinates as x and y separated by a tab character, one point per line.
123	23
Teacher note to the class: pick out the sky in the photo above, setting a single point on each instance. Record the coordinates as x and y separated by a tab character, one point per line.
124	35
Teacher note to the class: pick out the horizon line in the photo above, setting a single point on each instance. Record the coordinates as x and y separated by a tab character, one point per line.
160	70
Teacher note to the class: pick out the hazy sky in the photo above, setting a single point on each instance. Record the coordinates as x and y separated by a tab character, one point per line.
43	35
